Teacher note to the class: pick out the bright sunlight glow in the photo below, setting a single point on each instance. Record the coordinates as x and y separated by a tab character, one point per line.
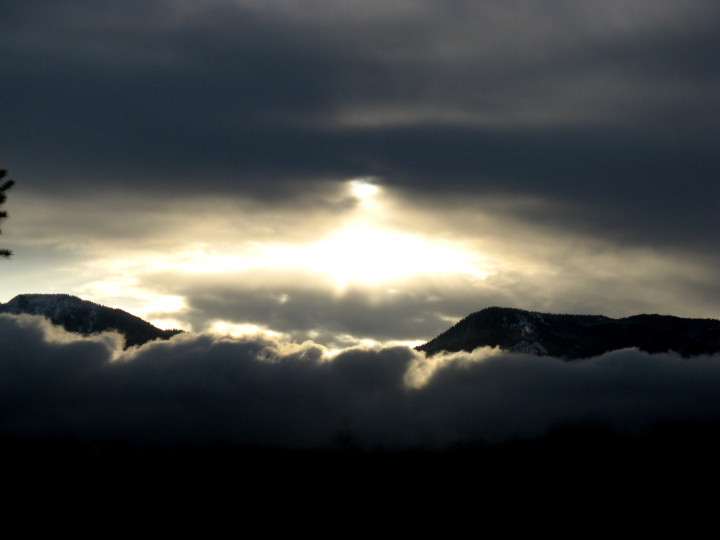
365	249
240	330
362	251
370	256
362	189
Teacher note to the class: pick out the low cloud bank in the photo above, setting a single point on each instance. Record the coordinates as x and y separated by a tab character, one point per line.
257	391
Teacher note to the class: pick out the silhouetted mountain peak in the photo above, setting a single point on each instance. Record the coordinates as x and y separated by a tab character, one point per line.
85	317
576	336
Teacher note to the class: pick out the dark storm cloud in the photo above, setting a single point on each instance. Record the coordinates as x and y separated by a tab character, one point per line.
155	97
606	110
615	184
201	389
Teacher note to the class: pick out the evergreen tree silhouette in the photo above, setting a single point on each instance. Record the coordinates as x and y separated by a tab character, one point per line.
7	184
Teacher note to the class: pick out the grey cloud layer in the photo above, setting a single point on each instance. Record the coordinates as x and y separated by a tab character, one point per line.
607	110
309	312
200	389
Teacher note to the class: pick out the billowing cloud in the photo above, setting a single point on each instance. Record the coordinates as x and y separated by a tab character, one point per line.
261	392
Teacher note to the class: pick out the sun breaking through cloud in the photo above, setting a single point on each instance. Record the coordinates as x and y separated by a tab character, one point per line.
372	169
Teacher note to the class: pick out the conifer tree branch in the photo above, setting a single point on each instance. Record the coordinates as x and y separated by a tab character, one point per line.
6	185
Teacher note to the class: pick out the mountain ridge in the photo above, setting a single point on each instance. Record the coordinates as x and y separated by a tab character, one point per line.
576	336
86	317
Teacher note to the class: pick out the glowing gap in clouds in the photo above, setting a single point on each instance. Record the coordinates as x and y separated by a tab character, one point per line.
241	330
370	256
362	189
366	248
355	254
362	251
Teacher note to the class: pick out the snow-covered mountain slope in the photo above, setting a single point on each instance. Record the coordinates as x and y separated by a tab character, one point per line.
576	336
85	317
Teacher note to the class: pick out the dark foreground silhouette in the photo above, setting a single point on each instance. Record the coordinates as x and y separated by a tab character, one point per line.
576	336
85	317
565	468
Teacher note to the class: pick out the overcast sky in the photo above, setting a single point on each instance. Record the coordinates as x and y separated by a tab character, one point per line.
356	172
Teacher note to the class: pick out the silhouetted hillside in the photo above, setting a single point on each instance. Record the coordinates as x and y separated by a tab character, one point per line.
576	336
84	317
